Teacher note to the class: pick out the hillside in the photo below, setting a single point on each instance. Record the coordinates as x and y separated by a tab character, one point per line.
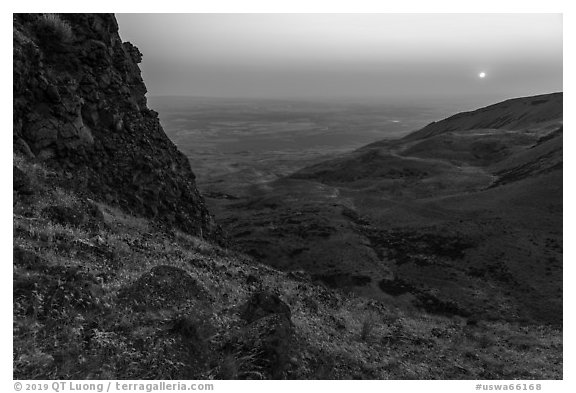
516	114
450	219
101	294
388	263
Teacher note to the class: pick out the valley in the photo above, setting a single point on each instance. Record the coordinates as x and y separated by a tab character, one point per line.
178	238
463	217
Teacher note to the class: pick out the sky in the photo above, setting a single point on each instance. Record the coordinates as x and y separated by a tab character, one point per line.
340	56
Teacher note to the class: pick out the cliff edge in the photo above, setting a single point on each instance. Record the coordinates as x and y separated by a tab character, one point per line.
80	107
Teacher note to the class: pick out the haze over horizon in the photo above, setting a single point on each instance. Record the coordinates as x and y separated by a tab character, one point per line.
392	57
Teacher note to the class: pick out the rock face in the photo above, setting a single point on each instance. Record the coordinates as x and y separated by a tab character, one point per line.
262	304
269	335
80	106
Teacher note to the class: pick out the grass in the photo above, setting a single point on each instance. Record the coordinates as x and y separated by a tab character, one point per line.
238	366
367	328
51	26
70	323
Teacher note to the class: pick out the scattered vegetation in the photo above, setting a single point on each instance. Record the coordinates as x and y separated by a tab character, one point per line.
367	327
75	316
52	27
238	366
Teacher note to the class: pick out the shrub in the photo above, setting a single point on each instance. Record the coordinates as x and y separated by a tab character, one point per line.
368	326
52	27
239	366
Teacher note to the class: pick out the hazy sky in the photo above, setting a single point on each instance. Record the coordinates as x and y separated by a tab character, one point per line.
348	55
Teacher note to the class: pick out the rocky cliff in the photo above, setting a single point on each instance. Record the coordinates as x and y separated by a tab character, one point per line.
80	107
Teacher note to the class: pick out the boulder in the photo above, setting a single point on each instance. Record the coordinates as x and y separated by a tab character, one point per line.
53	94
262	304
163	287
262	347
268	343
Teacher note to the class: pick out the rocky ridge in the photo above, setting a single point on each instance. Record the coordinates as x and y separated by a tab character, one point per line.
99	292
80	107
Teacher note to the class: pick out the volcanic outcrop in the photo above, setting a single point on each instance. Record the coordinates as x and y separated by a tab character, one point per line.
80	108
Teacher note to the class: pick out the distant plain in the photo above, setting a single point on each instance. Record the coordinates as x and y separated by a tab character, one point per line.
258	140
462	217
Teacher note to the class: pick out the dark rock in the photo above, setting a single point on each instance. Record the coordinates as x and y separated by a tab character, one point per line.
53	94
133	52
433	304
472	321
20	146
252	279
395	287
21	182
268	337
163	287
188	338
342	280
79	102
268	342
262	304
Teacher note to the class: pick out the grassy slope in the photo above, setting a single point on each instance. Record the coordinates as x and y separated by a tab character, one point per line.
71	319
470	217
535	112
514	267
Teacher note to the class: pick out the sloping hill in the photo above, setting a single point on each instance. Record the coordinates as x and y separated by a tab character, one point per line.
546	156
519	113
101	294
466	148
406	266
452	219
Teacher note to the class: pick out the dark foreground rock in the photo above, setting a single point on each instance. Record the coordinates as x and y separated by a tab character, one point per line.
262	304
261	349
80	106
163	287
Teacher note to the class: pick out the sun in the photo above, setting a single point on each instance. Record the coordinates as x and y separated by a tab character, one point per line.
482	75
